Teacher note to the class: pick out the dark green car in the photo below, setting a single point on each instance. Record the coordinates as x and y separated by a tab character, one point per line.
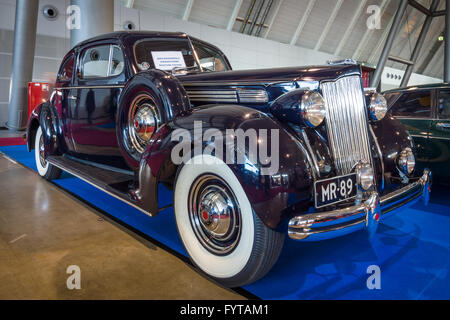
425	111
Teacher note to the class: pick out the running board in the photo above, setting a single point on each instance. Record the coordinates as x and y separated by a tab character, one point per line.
112	182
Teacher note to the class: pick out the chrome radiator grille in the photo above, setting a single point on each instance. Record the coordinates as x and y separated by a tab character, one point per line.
347	123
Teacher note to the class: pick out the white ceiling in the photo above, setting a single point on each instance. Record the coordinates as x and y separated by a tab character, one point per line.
332	26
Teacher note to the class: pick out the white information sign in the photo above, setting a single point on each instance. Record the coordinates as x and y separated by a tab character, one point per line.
167	60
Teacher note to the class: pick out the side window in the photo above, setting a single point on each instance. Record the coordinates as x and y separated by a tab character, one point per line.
210	59
413	105
117	62
444	105
95	62
66	72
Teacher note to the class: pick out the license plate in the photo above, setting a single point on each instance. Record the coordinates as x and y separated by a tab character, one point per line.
332	191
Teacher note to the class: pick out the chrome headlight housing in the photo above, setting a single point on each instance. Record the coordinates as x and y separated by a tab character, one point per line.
365	176
313	109
378	107
406	161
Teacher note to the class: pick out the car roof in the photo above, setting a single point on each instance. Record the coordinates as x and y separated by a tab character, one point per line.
123	35
425	86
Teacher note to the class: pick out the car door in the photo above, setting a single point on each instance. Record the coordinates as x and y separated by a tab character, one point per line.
414	110
440	138
101	76
61	99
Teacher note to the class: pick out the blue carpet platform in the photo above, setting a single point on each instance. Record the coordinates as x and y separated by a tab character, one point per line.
411	248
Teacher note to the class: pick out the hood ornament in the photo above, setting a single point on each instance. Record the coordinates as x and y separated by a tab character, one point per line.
342	62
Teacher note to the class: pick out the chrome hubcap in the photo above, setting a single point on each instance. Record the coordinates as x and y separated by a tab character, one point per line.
214	215
42	151
143	121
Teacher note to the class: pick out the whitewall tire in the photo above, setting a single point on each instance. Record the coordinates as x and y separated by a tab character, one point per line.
218	227
45	169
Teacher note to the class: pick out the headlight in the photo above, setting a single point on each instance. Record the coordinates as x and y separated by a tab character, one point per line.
378	107
365	176
406	161
313	109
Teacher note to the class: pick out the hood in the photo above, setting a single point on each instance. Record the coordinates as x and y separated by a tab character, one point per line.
267	77
259	88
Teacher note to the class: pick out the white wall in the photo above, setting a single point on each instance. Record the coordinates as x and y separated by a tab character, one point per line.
243	51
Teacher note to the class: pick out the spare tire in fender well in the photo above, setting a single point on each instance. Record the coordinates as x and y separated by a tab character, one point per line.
164	90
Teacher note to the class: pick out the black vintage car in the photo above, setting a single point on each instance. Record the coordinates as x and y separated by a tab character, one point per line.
425	112
125	105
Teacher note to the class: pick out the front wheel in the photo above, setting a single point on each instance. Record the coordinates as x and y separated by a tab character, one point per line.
218	227
45	169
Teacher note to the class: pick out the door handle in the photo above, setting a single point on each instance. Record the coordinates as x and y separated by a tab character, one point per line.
443	126
73	98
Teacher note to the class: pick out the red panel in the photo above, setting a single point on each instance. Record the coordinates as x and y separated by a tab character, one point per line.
366	79
38	93
4	142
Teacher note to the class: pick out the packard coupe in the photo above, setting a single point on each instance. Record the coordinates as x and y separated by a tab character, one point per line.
342	164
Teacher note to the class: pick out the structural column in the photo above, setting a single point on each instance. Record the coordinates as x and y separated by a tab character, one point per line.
419	44
95	17
389	42
447	43
23	61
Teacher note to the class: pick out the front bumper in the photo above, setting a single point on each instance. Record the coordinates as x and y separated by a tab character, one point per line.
332	224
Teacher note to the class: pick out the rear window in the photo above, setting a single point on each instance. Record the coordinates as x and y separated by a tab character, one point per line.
95	62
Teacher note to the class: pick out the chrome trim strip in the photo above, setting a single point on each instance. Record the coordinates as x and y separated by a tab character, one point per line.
428	137
213	92
438	138
231	83
90	87
419	136
412	118
232	96
314	170
253	96
229	96
100	188
311	152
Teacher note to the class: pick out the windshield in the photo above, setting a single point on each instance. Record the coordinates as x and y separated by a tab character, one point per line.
176	54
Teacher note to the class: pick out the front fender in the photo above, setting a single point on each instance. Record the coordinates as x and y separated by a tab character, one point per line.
271	195
392	138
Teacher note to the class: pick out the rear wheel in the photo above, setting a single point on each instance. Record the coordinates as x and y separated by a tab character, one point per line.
218	227
45	169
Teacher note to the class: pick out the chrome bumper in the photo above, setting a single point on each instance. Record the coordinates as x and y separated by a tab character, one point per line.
332	224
